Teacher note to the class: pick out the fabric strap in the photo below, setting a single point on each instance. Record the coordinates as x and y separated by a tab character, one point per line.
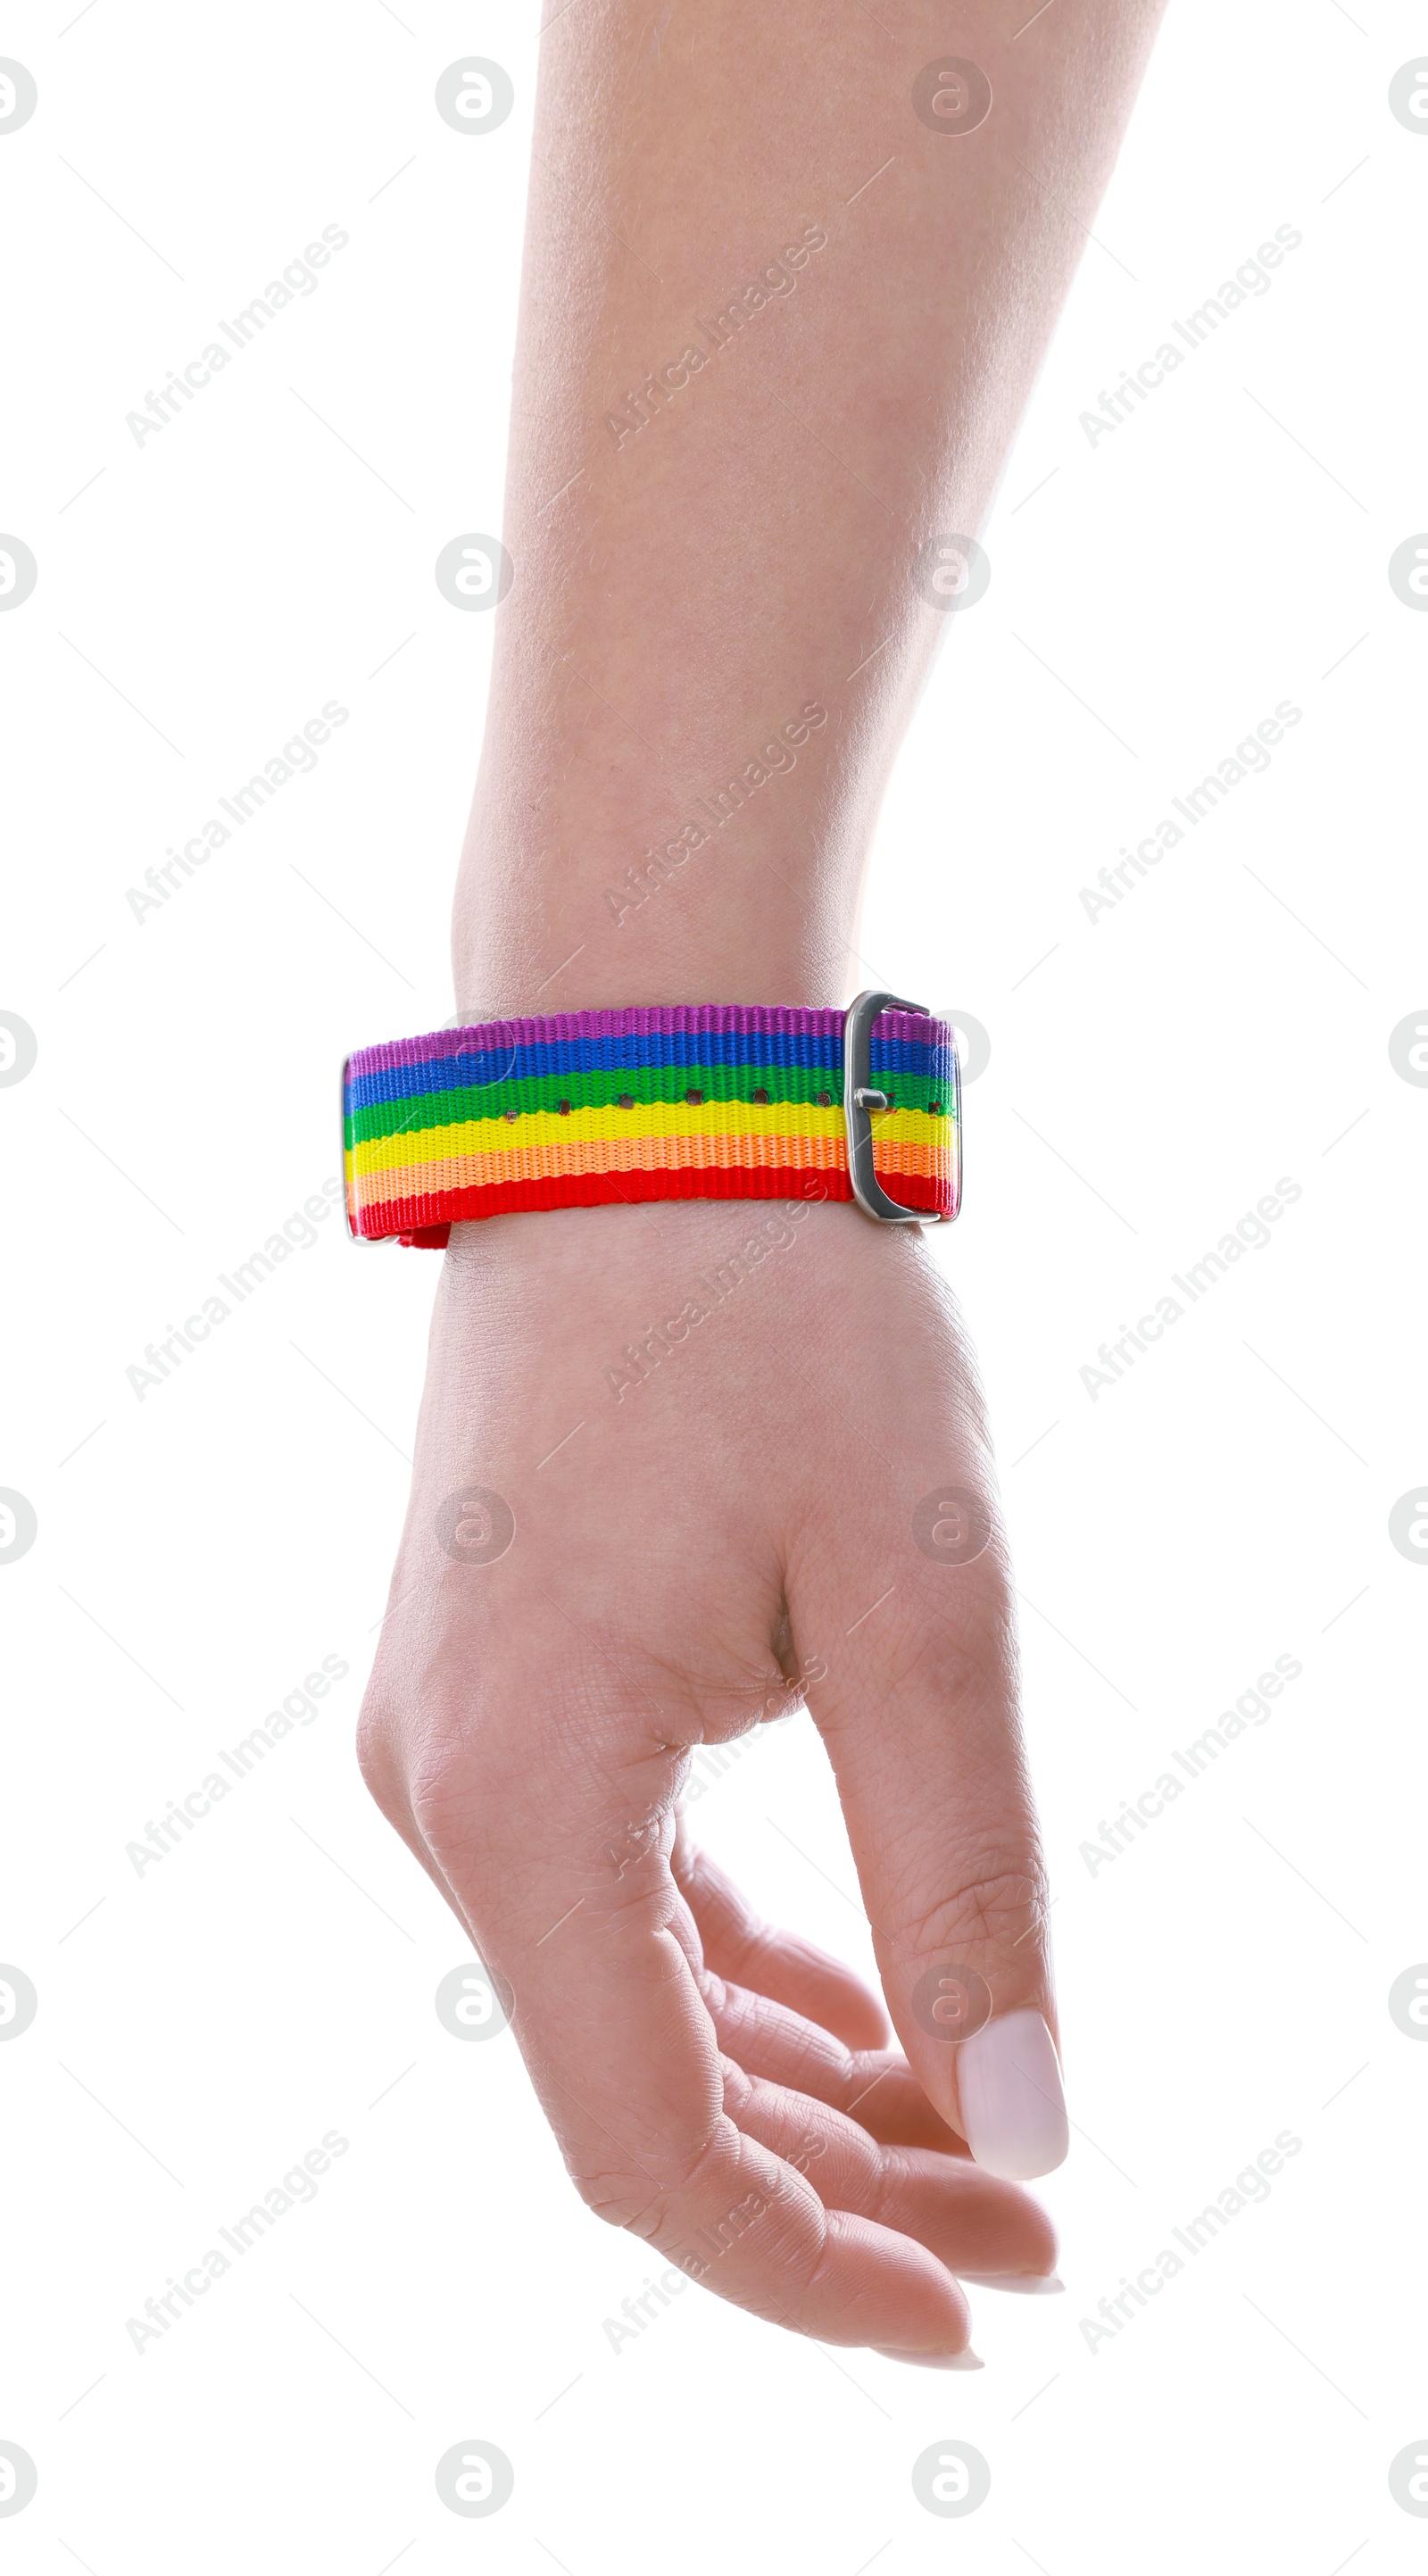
592	1108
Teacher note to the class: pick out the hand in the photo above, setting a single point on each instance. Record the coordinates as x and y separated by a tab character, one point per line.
716	1532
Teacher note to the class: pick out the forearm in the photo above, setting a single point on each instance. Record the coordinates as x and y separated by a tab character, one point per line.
716	633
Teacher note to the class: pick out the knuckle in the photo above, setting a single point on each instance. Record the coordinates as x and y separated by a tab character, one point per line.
998	1905
620	2199
374	1750
445	1790
382	1750
888	2182
459	1762
648	2204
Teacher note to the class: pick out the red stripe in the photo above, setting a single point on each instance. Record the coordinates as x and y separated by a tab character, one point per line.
428	1220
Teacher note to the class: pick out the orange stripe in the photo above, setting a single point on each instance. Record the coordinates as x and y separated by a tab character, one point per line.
645	1154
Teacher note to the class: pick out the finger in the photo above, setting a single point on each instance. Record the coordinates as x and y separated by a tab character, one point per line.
920	1719
874	2086
972	2221
609	2018
738	1944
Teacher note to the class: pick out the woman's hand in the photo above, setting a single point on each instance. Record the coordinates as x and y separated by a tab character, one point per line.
789	1494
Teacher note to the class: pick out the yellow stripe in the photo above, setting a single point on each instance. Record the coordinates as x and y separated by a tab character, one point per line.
649	1122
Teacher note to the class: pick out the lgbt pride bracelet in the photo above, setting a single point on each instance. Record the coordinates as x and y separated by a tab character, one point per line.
599	1108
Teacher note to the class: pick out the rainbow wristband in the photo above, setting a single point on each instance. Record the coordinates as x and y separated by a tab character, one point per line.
592	1108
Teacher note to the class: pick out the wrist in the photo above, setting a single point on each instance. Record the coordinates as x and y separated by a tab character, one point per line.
627	882
649	956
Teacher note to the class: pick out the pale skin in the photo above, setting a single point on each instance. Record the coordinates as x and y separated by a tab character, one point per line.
731	1535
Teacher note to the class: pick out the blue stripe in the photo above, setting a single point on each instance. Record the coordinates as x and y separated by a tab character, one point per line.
632	1053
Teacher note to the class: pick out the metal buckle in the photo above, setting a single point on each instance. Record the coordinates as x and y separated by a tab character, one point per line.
861	1098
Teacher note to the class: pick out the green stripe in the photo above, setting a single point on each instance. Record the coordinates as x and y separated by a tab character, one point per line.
600	1089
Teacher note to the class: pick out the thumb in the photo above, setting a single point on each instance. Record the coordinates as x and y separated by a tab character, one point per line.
919	1715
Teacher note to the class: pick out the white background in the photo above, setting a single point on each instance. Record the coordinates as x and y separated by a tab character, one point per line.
1153	1073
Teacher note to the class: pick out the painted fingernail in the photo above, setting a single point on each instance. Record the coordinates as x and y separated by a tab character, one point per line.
1013	2107
1029	2285
933	2360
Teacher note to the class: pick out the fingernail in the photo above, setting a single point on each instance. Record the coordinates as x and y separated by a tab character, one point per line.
1030	2285
933	2360
1013	2108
